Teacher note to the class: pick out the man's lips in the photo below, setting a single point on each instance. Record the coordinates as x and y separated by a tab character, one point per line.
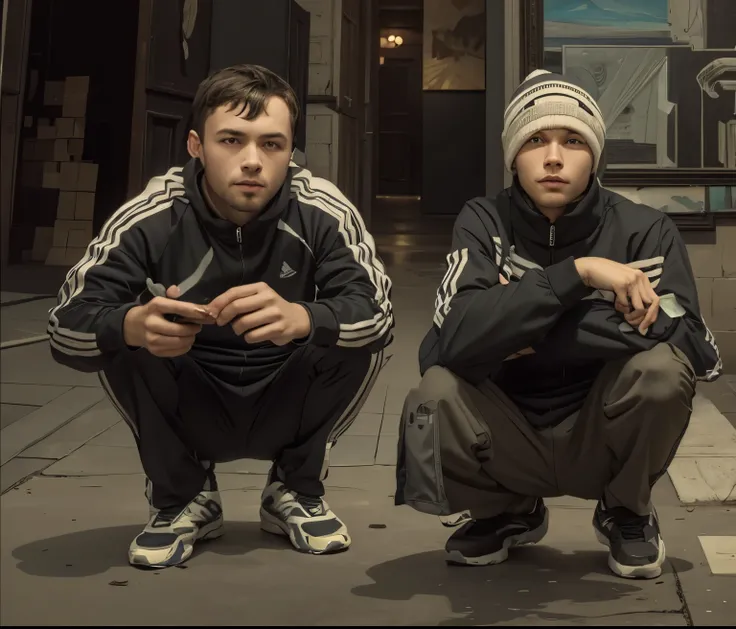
249	184
552	179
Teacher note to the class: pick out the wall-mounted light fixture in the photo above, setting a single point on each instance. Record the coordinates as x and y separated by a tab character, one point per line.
392	41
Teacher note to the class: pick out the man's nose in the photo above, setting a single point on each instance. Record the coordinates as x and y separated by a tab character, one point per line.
553	156
251	158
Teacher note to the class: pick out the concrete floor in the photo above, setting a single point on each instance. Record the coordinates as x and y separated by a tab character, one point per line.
73	499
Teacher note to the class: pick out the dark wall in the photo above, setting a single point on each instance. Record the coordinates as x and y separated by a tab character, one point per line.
495	96
720	21
454	147
274	34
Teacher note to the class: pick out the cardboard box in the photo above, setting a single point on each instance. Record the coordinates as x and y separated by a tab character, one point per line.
75	254
80	235
56	256
77	238
79	127
59	238
53	93
42	243
29	150
74	107
45	131
87	181
75	96
61	150
67	206
64	127
85	206
76	149
51	175
69	176
44	151
76	85
32	174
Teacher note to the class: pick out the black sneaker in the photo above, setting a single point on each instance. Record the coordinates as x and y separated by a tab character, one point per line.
485	542
636	547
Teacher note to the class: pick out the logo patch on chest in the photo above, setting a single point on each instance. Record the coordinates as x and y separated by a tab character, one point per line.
286	271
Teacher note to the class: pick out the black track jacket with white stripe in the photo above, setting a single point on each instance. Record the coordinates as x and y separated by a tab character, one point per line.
309	244
574	330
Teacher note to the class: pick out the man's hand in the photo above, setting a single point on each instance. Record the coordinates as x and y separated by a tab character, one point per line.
635	297
146	326
260	314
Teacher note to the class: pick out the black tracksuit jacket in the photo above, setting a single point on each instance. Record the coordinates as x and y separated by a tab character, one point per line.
309	244
574	330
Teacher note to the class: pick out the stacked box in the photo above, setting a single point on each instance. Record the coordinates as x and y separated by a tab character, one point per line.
59	149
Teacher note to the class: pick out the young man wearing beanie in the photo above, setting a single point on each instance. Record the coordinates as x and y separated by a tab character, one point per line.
566	344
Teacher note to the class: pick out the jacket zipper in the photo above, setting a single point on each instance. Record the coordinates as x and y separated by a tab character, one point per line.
551	244
239	238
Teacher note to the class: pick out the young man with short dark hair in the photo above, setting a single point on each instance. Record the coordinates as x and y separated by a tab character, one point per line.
236	308
567	340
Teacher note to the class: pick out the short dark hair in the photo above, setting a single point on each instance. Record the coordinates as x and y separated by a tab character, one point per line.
241	86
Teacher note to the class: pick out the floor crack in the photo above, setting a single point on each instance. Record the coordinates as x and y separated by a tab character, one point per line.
681	595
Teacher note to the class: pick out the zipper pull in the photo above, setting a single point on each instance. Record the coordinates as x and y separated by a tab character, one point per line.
551	235
238	236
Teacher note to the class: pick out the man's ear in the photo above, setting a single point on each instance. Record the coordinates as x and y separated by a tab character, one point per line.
194	144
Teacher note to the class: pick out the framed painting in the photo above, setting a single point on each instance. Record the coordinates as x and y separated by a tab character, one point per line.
454	50
663	73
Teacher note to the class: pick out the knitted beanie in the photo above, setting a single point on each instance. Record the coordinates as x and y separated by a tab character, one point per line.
551	101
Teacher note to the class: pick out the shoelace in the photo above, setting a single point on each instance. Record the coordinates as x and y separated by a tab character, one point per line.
312	505
631	525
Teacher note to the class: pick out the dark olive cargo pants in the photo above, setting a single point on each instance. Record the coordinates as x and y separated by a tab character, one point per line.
463	447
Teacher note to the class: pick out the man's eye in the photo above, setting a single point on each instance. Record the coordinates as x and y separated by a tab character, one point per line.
575	141
229	141
272	145
535	140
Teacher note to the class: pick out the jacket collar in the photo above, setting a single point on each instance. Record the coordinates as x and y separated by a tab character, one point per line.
222	228
579	221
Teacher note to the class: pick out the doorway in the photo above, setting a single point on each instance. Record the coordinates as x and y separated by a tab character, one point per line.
74	126
399	127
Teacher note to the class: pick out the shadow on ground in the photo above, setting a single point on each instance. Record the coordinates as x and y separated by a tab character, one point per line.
536	581
95	551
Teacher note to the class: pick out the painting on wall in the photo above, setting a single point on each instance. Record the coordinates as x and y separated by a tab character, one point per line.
454	45
664	74
620	22
664	106
682	199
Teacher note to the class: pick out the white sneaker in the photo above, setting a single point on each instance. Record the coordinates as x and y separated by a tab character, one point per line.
168	541
308	522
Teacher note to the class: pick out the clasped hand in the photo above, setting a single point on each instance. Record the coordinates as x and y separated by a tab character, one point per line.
255	311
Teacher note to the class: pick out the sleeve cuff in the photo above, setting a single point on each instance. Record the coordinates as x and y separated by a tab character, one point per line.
110	336
325	329
566	282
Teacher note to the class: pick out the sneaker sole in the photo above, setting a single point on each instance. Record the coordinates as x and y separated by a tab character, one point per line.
455	557
648	571
176	554
271	524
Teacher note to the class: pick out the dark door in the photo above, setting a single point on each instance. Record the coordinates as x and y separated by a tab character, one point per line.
173	57
400	120
351	100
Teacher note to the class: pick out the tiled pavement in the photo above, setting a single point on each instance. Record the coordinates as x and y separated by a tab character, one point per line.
64	532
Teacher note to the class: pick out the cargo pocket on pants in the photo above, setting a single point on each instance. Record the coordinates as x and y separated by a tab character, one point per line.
419	481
